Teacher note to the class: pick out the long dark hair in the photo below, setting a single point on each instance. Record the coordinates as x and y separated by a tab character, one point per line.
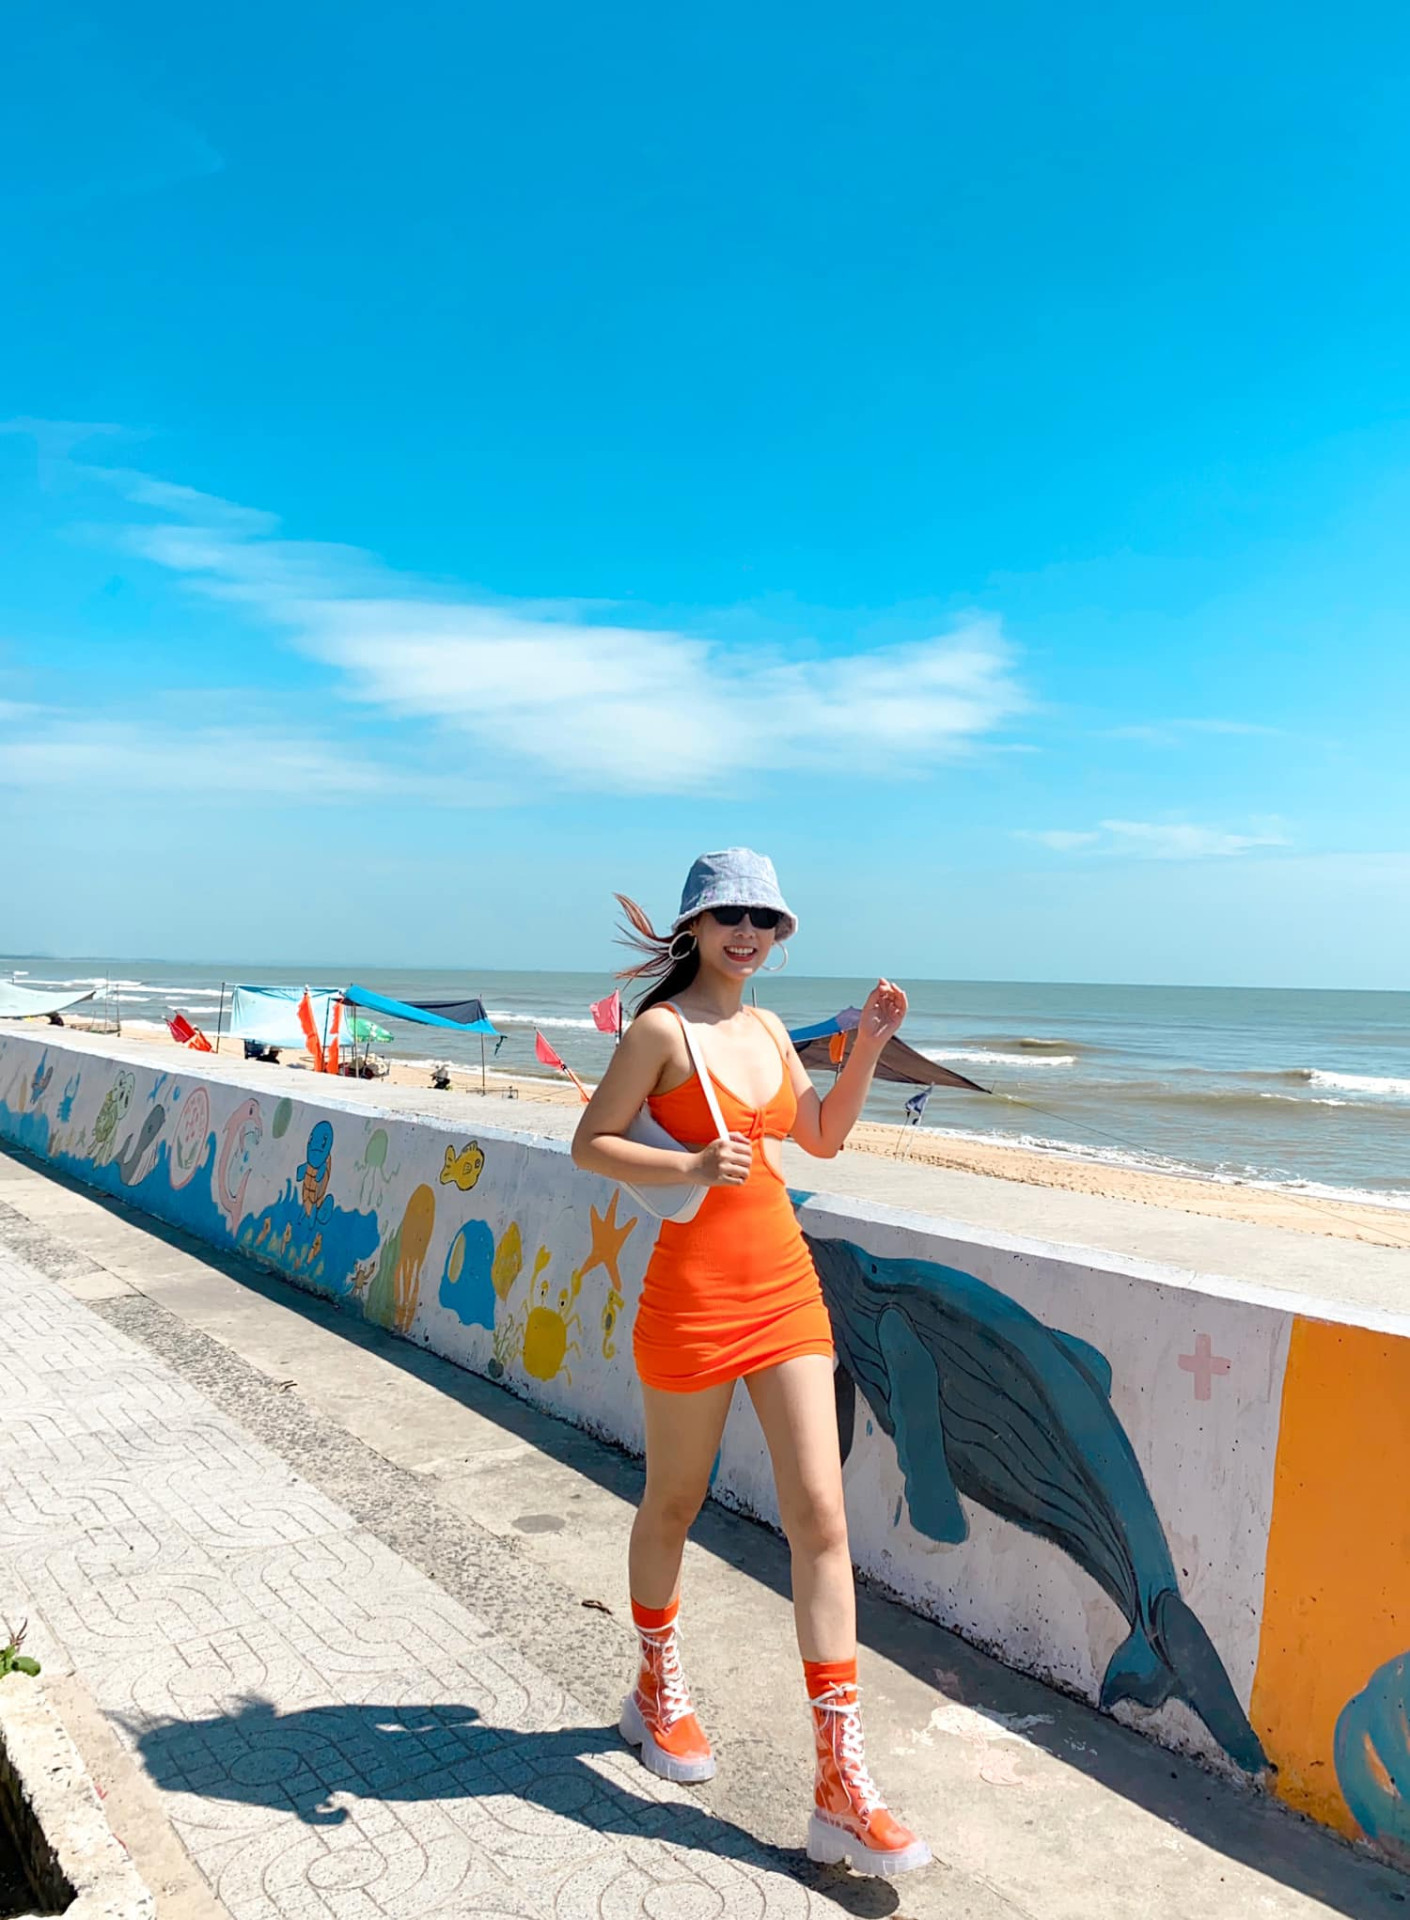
665	974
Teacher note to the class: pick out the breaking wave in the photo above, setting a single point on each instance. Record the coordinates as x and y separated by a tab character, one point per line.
1030	1043
986	1057
504	1018
1378	1086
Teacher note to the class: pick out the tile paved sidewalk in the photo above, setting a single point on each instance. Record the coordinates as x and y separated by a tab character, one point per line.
333	1736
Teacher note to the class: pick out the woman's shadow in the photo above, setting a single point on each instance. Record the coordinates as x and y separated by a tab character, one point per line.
302	1762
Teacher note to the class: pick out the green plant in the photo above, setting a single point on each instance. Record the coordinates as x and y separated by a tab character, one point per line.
11	1659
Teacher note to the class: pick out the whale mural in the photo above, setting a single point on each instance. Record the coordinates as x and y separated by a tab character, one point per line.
981	1398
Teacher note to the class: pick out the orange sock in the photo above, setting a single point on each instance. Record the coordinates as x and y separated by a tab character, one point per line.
652	1619
820	1675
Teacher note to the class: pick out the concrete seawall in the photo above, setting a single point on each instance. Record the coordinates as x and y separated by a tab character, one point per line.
1180	1497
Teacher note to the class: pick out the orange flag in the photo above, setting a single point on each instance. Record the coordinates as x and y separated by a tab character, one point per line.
310	1031
335	1030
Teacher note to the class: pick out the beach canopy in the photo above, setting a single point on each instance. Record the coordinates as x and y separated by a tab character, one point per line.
465	1013
842	1022
898	1061
424	1013
270	1015
24	1003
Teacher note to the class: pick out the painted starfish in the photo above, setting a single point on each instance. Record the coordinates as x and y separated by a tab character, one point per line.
608	1239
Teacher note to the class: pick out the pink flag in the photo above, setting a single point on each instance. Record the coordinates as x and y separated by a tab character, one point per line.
607	1014
547	1057
544	1053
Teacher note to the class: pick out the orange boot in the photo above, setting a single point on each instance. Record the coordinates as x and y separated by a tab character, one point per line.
849	1821
657	1715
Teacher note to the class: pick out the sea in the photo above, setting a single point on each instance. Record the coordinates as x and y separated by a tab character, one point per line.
1302	1090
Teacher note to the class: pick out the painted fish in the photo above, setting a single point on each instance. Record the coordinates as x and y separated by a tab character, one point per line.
463	1169
982	1398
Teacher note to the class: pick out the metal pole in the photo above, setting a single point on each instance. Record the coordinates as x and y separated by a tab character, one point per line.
483	1087
220	1018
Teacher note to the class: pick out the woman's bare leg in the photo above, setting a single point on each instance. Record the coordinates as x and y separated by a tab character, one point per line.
798	1413
683	1432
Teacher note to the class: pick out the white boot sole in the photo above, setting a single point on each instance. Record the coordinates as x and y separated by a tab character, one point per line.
655	1759
830	1846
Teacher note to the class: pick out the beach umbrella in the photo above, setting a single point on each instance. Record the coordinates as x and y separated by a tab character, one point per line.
365	1030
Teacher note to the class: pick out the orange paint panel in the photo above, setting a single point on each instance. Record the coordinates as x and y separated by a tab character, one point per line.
1336	1601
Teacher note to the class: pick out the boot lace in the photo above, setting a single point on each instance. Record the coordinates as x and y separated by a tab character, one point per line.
672	1693
841	1703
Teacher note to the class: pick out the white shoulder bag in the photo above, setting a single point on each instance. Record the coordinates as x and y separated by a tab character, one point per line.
681	1200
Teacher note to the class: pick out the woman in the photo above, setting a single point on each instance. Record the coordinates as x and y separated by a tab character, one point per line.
730	1295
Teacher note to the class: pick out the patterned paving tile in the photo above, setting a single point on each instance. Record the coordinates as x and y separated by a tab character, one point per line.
334	1736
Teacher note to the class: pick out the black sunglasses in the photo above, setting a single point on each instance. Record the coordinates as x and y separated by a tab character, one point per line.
764	918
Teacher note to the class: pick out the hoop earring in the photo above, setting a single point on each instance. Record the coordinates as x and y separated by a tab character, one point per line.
685	952
784	952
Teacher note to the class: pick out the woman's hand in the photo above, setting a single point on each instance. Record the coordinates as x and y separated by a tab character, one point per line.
724	1163
883	1013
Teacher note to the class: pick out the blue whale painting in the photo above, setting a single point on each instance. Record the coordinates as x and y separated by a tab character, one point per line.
982	1399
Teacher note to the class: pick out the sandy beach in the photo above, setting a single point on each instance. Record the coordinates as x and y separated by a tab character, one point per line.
1224	1200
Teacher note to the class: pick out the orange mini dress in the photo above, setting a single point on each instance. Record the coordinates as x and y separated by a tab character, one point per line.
734	1290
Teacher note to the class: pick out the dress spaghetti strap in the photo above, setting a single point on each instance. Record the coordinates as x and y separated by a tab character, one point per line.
782	1050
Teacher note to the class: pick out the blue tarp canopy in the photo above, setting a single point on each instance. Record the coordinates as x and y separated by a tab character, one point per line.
270	1015
24	1003
404	1010
822	1029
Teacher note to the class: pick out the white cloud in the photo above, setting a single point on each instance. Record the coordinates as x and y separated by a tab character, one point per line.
1162	839
92	759
578	699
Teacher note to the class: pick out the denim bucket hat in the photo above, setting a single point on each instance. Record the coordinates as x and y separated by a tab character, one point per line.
738	877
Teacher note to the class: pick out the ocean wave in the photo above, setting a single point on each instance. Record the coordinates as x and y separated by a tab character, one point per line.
1223	1102
103	985
983	1055
504	1018
1005	1043
1142	1160
1379	1086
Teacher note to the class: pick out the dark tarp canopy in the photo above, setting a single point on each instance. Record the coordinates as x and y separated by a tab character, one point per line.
465	1013
898	1062
429	1013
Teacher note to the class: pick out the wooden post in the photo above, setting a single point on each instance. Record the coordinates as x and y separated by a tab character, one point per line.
483	1086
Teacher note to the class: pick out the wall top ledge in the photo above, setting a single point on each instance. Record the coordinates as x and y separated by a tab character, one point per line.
1322	1278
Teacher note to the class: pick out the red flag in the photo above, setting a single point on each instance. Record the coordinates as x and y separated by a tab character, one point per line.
544	1053
310	1031
336	1027
607	1014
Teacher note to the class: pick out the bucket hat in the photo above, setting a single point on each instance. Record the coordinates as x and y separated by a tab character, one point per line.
737	877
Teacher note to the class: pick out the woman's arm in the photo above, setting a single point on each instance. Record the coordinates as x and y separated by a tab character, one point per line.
635	1068
824	1122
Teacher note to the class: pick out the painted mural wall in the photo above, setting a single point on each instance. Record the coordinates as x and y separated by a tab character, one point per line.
1188	1508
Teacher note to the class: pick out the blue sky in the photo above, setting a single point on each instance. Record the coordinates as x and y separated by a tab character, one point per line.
460	462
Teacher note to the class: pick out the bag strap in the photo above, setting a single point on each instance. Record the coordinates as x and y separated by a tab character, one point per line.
702	1072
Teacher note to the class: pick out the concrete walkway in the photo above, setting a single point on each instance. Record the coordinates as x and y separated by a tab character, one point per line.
344	1627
